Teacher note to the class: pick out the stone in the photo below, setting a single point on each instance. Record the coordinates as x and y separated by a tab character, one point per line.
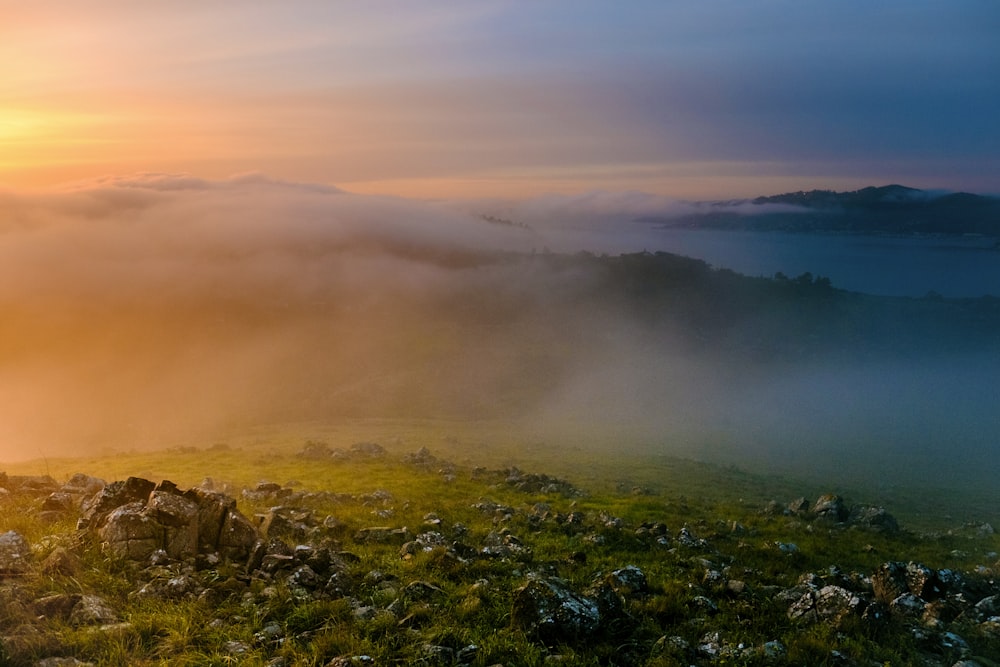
830	604
15	554
873	518
546	607
58	606
237	536
798	506
130	533
61	561
179	517
923	582
909	605
83	485
628	580
831	506
889	582
113	496
92	610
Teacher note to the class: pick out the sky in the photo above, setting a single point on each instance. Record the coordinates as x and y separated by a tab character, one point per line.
447	99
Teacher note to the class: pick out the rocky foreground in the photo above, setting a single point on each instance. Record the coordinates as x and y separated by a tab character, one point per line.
710	592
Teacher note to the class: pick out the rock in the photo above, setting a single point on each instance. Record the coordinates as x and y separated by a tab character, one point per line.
540	483
908	605
924	582
130	533
787	547
687	539
237	536
773	651
504	545
627	581
31	485
831	506
58	606
547	608
62	662
15	554
830	604
873	518
894	579
61	561
988	607
92	610
183	524
422	458
113	496
798	506
179	518
83	485
59	501
889	582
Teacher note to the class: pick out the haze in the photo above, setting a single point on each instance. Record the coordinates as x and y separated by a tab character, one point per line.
215	216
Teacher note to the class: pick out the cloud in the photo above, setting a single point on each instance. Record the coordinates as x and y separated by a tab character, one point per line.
162	309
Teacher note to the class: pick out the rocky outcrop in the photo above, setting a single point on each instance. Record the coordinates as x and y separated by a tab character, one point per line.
136	518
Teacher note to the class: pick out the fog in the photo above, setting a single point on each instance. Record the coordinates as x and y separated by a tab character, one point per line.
154	310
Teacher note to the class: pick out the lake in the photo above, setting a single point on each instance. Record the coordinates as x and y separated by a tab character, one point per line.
884	265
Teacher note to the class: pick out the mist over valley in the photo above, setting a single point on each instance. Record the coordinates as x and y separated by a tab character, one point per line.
153	310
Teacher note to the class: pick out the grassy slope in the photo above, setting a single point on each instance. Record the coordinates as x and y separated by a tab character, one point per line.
676	492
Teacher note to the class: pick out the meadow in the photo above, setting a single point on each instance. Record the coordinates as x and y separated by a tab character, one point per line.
482	510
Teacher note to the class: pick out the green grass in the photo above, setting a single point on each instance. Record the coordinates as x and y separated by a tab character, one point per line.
257	622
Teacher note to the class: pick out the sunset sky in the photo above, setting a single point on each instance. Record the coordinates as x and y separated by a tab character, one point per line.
720	98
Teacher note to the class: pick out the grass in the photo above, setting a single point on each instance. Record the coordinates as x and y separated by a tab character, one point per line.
258	622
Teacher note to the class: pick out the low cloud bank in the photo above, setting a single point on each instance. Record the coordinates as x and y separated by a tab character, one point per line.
160	309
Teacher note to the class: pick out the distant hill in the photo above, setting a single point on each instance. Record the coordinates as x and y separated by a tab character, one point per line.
890	209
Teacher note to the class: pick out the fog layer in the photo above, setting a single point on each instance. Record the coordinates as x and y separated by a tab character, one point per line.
156	309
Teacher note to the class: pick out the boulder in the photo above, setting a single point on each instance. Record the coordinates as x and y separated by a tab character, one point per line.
179	518
831	506
546	607
113	496
830	604
130	533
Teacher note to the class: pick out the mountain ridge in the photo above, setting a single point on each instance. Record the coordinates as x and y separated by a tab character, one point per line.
888	209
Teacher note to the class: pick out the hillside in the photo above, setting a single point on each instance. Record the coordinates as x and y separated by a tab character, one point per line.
891	209
456	545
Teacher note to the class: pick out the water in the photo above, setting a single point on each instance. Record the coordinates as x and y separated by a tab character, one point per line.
967	266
